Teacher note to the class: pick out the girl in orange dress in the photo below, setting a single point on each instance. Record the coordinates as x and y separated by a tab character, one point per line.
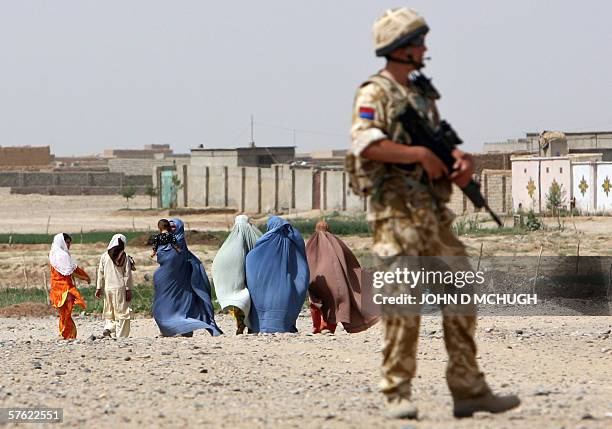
64	295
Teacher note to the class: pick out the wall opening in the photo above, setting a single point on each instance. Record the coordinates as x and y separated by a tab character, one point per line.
292	188
185	190
316	190
242	188
344	191
276	188
225	187
207	185
325	190
259	190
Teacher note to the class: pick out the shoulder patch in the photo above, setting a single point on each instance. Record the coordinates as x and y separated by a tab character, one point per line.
366	113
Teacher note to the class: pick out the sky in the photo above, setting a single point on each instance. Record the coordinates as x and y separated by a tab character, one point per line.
83	76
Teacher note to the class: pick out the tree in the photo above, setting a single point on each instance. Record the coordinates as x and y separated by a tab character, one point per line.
127	193
555	199
151	191
176	186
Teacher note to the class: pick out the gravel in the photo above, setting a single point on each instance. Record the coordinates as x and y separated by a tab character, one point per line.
300	380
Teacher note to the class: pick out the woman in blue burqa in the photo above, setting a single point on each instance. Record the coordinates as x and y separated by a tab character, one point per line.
182	301
277	278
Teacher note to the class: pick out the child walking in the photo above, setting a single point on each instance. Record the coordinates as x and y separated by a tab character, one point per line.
64	294
116	282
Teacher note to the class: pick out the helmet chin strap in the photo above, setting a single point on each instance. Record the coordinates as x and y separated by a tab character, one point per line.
410	61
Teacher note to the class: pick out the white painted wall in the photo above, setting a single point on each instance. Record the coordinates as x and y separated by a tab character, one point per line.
267	190
335	190
558	170
603	200
585	202
303	189
522	172
196	186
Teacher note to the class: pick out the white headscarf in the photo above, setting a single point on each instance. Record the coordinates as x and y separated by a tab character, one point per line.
60	257
115	241
241	219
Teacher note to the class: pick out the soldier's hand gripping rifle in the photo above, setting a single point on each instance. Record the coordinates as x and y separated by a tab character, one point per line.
441	141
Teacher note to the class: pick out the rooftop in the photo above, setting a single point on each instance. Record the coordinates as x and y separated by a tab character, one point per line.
201	148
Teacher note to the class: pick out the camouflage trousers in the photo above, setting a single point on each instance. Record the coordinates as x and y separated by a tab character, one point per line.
425	235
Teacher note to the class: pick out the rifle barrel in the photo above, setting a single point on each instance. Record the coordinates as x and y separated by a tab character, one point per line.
494	216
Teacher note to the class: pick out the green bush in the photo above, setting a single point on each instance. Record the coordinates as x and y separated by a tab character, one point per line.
533	223
142	298
465	226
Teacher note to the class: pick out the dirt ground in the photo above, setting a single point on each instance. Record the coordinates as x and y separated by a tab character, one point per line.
559	366
27	309
92	213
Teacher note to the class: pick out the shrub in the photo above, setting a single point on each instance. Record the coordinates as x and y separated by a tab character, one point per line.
151	192
128	192
555	198
533	222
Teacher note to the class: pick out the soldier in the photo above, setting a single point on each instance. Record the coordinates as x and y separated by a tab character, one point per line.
408	214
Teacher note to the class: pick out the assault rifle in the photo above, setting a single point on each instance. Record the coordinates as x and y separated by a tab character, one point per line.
440	141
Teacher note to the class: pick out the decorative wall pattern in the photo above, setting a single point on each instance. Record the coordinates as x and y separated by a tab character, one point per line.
589	184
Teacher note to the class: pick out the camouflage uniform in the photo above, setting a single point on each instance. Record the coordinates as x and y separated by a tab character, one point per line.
408	219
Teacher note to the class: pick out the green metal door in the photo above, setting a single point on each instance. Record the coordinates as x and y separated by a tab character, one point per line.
166	188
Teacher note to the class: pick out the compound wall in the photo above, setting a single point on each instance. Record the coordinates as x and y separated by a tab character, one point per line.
71	183
279	188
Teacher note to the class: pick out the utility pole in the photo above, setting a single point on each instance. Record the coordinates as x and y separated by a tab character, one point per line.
252	143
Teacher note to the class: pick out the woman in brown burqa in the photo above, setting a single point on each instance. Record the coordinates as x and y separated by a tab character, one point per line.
335	284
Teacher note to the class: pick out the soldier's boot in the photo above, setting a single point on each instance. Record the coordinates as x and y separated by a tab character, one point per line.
401	408
487	402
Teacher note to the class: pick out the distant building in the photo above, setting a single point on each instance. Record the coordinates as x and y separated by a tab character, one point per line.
149	152
158	147
137	162
81	163
322	158
583	181
26	158
258	156
254	178
581	142
34	170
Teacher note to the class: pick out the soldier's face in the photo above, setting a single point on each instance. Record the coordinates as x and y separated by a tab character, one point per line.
412	53
416	52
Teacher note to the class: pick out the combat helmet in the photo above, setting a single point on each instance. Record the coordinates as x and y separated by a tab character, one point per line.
397	28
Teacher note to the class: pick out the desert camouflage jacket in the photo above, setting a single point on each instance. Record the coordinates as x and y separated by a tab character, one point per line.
377	104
